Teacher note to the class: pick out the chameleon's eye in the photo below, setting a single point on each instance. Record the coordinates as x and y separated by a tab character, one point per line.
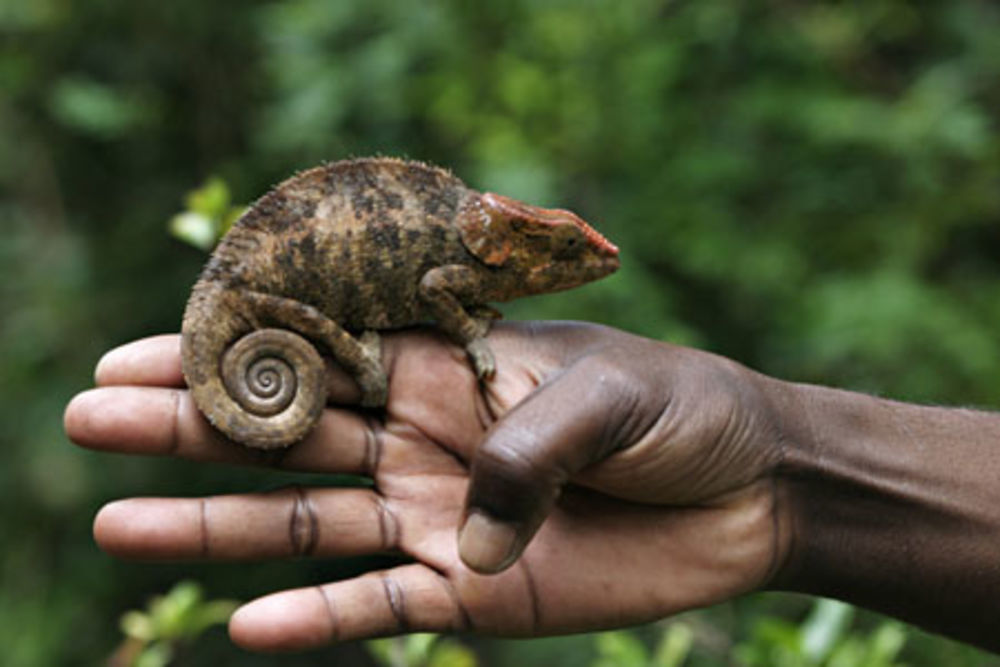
567	242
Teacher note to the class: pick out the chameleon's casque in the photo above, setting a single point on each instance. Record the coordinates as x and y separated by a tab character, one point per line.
335	253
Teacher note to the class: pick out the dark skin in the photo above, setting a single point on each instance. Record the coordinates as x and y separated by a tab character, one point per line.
607	479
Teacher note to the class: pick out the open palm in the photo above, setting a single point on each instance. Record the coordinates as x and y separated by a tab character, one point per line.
644	468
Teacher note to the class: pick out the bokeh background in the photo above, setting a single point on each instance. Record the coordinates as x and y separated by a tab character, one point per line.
811	188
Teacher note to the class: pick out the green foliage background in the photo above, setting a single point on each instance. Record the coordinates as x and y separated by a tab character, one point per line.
812	188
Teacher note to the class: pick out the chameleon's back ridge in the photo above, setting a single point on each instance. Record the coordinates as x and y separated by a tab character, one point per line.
335	254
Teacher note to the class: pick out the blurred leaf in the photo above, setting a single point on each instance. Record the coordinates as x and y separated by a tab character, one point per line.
229	217
208	217
619	648
885	644
195	229
417	647
451	654
179	616
138	625
825	625
19	15
155	655
384	650
96	109
674	646
173	614
210	200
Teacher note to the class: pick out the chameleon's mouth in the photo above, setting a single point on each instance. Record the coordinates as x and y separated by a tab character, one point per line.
565	275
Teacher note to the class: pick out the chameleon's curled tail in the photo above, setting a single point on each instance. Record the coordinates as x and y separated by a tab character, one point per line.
265	388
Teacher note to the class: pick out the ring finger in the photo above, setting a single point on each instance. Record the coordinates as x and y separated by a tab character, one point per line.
295	521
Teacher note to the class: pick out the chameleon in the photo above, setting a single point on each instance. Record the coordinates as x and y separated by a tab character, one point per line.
332	255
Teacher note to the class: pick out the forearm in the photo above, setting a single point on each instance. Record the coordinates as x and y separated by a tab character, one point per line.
894	507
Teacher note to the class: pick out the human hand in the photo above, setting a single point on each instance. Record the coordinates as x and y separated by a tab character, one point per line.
641	474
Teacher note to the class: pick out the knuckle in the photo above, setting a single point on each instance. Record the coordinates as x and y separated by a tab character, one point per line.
513	456
303	524
511	484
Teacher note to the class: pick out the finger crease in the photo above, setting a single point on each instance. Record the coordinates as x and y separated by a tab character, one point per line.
484	409
203	511
388	526
303	525
536	606
464	621
397	602
330	612
175	441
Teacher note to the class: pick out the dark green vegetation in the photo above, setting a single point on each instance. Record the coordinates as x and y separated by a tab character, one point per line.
810	188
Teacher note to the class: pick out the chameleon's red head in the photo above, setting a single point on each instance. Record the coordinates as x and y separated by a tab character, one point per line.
543	250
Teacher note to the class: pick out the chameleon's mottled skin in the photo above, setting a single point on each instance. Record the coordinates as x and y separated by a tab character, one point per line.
349	248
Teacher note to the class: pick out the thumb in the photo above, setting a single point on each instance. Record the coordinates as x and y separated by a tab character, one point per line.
572	421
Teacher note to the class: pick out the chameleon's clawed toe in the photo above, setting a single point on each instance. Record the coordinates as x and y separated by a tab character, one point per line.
482	358
484	312
374	391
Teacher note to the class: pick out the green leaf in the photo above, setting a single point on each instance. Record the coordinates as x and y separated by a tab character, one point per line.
849	652
231	216
885	644
207	614
778	633
138	625
382	650
211	200
94	108
621	649
674	647
417	647
156	655
825	625
208	215
172	613
451	654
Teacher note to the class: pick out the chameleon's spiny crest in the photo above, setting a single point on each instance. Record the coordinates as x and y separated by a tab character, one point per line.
335	253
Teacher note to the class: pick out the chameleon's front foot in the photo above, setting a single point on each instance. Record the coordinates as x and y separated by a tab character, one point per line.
482	358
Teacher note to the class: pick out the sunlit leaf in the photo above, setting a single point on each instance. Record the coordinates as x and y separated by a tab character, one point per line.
210	200
194	228
826	624
138	625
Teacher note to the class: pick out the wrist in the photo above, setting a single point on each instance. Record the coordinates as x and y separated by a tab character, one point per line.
892	506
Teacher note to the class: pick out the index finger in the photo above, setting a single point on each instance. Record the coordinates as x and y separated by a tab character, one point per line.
153	361
156	362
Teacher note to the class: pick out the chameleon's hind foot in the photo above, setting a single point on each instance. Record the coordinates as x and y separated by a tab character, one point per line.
371	377
483	311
